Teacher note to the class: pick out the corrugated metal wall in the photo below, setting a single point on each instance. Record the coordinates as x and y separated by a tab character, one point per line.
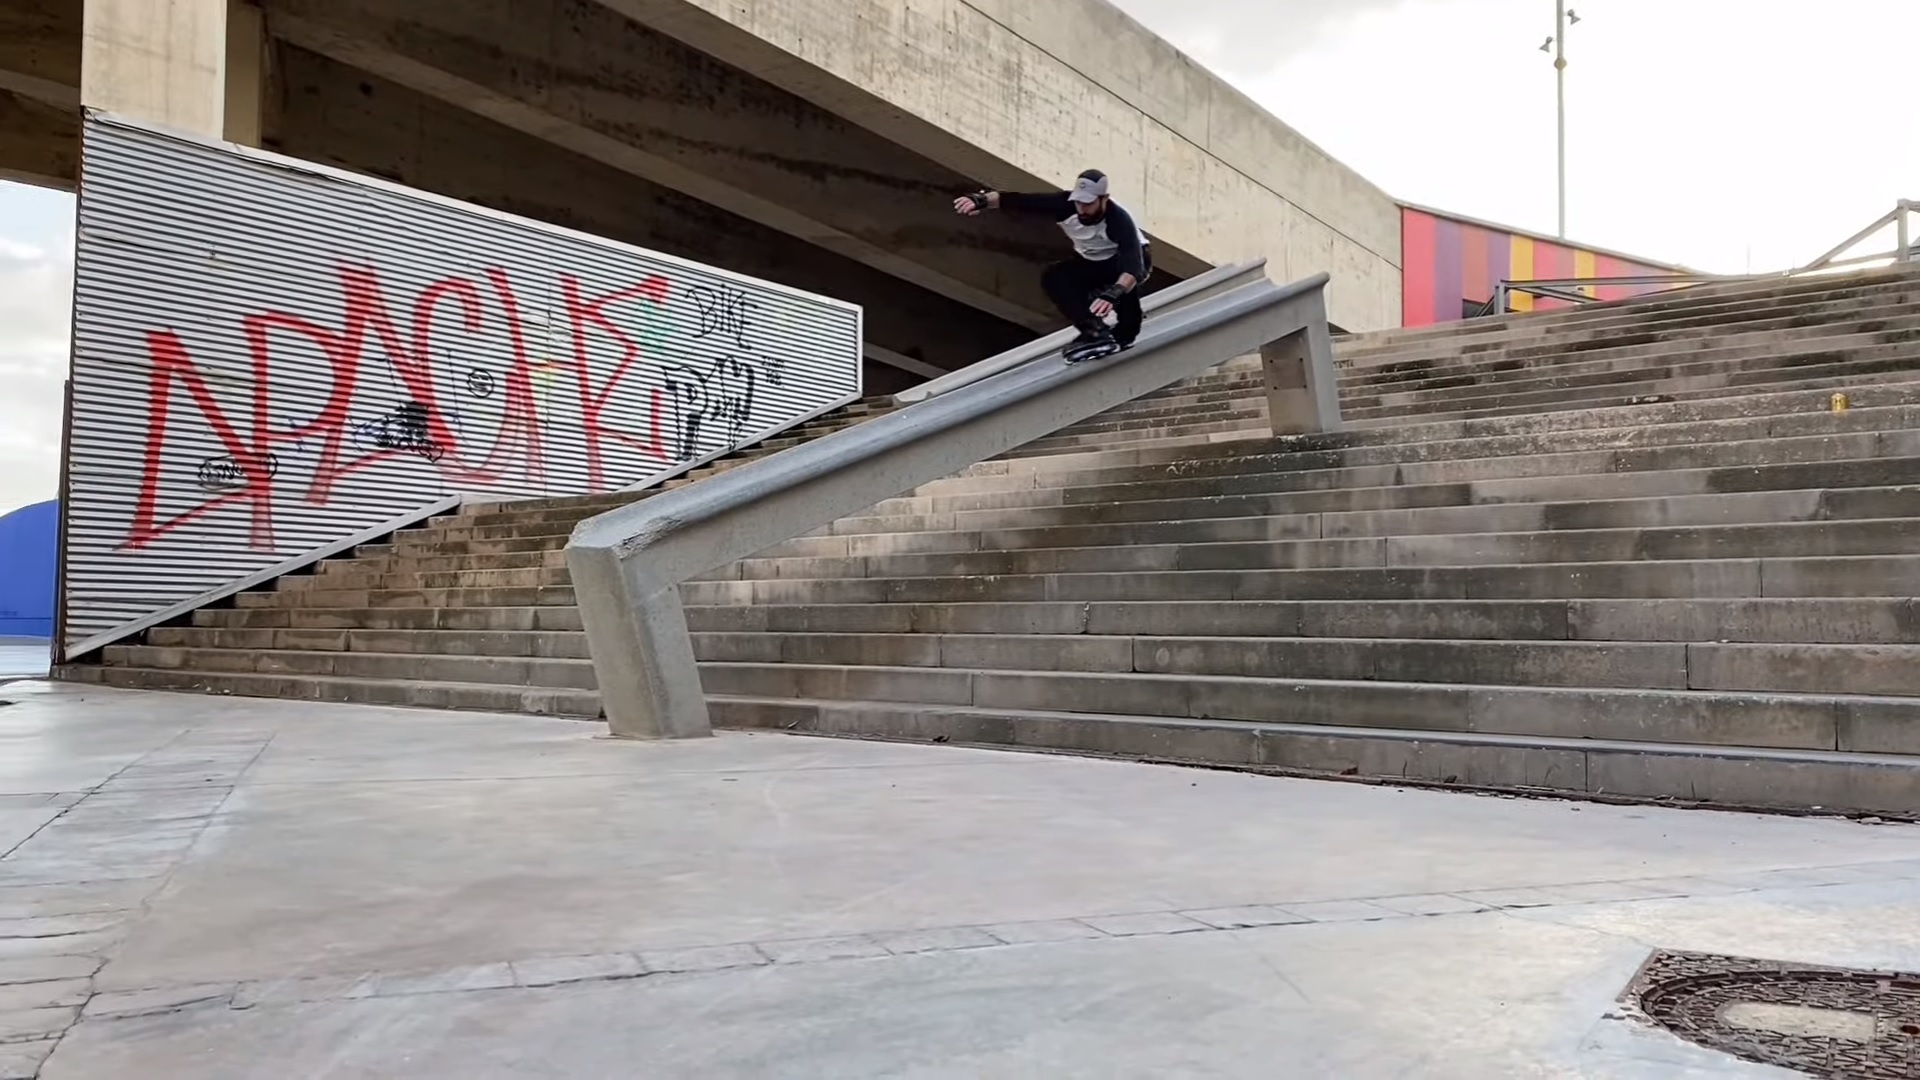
270	357
1448	263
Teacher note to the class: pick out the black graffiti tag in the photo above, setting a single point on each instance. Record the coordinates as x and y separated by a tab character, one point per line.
724	311
480	383
225	473
404	429
717	402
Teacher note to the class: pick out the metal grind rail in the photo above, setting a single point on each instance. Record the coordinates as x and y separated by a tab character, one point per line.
627	564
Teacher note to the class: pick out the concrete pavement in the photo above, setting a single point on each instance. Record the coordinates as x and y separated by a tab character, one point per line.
210	888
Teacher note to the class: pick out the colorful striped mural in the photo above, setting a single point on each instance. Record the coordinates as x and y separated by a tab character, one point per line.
1449	263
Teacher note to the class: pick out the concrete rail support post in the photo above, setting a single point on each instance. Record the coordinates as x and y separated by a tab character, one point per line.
627	564
192	65
1303	389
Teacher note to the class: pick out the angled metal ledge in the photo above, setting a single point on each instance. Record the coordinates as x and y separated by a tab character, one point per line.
627	564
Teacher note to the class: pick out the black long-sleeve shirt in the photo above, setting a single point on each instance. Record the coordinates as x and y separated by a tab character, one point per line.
1115	236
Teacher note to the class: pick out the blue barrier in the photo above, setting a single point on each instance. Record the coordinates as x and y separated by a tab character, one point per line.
29	546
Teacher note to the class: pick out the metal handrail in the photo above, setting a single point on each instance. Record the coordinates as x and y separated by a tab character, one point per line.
627	564
1568	289
1171	298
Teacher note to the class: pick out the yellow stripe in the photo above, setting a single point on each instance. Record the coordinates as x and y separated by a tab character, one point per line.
1522	270
1586	265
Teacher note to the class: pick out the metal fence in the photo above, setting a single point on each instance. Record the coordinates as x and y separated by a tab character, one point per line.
1571	290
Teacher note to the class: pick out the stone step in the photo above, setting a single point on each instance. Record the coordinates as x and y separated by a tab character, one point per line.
1884	670
1232	460
1361	358
1725	777
1248	387
1504	368
1246	391
1836	378
1580	477
543	672
1727	579
1548	390
1257	456
484	576
1876	669
544	552
1852	723
1663	544
525	644
499	596
1722	750
406	693
1154	544
1847	488
1802	721
514	519
1781	406
555	618
1177	437
1737	371
474	631
1816	620
1673	446
1828	504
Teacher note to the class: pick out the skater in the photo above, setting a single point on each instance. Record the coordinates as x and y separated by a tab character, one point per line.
1112	259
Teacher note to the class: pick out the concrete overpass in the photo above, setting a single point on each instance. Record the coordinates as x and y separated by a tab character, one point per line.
812	142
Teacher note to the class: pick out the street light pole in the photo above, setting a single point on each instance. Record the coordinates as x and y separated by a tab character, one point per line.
1560	77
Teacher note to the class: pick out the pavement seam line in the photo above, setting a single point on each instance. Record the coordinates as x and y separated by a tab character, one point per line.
201	820
873	945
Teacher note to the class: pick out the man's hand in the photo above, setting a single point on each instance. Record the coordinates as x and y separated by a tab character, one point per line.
971	205
1103	300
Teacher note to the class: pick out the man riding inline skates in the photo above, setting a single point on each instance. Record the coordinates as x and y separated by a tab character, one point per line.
1098	289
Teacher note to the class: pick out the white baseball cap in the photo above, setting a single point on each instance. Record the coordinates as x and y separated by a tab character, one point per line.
1088	186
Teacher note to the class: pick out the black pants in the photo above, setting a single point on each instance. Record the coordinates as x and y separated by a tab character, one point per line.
1071	285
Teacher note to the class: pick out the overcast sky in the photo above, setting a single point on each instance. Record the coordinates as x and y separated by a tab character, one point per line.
1703	132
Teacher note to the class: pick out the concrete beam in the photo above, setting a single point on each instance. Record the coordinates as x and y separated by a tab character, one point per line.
627	564
39	143
908	364
1013	91
40	50
338	115
575	74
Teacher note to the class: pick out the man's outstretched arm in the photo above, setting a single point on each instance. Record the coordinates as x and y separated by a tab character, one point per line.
1054	203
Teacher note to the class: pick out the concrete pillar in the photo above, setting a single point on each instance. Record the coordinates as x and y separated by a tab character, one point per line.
246	72
1303	387
193	65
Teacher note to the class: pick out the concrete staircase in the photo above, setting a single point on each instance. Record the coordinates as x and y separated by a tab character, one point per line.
1633	550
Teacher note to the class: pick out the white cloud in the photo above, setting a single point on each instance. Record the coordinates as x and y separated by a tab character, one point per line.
1698	130
1239	38
36	297
13	251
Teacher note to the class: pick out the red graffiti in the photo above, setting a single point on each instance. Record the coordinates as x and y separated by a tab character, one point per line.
421	426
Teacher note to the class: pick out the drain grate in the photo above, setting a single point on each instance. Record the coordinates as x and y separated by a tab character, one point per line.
1834	1023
